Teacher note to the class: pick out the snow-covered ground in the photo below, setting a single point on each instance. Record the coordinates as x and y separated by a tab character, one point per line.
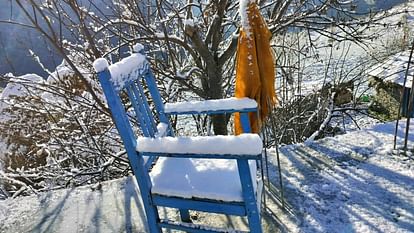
349	183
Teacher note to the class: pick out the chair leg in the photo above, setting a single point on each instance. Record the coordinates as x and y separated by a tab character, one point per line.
253	214
150	209
152	218
185	215
250	200
254	219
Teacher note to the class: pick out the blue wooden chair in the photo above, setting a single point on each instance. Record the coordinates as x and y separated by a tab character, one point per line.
216	174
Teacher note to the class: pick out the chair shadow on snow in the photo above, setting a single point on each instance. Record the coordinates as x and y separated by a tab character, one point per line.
314	167
132	195
97	212
269	215
50	217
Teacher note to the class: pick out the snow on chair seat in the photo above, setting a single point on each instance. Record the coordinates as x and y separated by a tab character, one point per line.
198	178
244	144
235	104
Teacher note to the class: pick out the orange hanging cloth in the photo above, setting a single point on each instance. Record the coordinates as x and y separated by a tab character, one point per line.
255	71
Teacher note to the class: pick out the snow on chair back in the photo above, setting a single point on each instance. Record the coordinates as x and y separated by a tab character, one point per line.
133	76
128	75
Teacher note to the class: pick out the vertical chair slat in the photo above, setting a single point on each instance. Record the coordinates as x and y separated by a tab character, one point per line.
155	94
135	104
244	118
145	107
141	101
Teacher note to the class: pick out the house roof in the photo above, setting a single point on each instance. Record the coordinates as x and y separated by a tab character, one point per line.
393	69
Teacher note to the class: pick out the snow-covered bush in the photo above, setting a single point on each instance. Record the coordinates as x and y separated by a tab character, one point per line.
53	134
298	119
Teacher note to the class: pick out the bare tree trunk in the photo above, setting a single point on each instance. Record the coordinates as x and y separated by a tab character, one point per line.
219	124
216	92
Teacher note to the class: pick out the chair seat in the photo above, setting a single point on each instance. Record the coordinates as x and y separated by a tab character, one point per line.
215	179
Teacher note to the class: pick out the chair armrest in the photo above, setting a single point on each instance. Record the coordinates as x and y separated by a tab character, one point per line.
218	106
244	146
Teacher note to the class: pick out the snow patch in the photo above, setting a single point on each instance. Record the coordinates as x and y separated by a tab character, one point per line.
100	64
138	48
15	86
244	15
244	144
210	105
394	69
188	22
123	71
62	70
199	178
161	129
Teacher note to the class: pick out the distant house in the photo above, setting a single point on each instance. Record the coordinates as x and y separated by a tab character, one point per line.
388	80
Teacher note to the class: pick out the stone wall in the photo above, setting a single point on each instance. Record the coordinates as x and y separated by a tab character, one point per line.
386	101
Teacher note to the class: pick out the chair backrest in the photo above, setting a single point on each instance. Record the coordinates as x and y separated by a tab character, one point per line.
127	85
